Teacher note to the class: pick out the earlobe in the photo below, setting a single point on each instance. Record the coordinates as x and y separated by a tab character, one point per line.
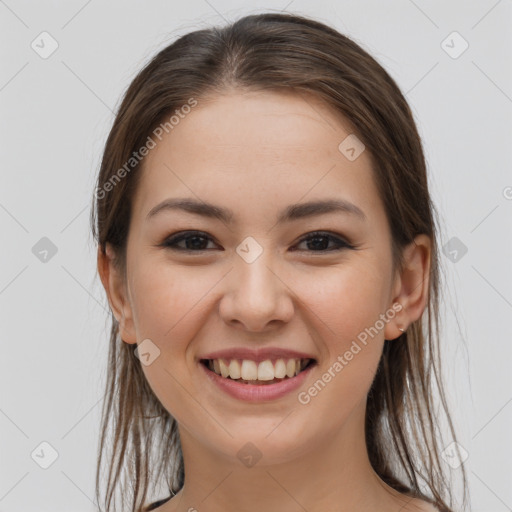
412	287
115	288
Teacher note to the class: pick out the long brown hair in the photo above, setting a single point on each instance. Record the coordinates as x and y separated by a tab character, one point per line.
275	51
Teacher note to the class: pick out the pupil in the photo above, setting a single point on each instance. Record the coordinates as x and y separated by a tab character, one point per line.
316	239
196	245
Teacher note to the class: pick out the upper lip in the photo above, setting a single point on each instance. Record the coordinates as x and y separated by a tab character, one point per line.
256	355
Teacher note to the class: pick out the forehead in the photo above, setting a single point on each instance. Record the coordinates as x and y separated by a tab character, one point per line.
255	149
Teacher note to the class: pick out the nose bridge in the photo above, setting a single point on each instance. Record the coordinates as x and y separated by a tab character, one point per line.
253	274
256	294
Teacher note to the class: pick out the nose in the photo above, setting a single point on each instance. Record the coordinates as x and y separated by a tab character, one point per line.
257	296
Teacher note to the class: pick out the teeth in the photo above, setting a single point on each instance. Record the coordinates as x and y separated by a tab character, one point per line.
248	370
251	371
224	370
266	370
280	369
290	367
234	369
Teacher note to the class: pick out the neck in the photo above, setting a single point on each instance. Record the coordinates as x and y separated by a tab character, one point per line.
334	473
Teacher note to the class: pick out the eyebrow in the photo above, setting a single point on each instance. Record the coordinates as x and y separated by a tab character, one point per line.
290	213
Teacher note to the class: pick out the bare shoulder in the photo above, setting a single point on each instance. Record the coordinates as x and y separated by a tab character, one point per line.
417	505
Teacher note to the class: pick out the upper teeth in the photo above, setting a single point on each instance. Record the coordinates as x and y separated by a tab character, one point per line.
250	370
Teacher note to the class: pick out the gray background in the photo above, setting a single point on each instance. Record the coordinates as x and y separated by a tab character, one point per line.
56	112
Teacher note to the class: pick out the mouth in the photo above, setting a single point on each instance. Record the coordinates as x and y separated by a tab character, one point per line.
245	371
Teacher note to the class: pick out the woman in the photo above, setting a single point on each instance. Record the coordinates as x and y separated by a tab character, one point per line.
267	244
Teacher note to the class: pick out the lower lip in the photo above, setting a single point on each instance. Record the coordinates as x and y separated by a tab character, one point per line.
257	392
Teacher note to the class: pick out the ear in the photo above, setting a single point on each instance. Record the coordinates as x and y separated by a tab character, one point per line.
411	286
115	288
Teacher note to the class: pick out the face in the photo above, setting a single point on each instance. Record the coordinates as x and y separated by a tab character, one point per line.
252	281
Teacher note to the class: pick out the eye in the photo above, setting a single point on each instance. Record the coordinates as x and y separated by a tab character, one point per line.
196	241
320	240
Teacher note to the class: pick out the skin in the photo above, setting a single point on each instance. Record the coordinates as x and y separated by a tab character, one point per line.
256	153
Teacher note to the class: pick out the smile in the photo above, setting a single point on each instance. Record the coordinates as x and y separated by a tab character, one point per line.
267	380
249	371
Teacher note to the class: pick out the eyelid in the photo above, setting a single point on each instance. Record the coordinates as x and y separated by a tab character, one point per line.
341	241
183	235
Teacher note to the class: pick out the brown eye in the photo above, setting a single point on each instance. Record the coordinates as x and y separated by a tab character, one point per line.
195	241
318	241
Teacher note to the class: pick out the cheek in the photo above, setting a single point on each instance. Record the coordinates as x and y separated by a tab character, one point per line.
165	298
344	300
346	303
168	309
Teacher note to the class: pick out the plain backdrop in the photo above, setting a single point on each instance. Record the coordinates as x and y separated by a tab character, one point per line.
56	111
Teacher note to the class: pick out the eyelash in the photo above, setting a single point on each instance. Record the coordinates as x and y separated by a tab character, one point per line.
172	241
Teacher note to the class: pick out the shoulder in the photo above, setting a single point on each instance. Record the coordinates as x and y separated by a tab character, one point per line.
156	504
417	505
